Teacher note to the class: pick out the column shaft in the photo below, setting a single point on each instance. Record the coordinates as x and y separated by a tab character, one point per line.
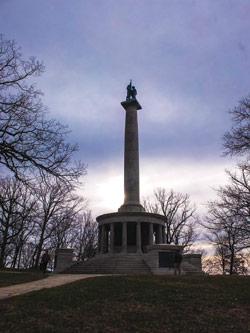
151	231
160	234
112	237
156	234
163	235
124	237
131	158
99	238
103	239
138	237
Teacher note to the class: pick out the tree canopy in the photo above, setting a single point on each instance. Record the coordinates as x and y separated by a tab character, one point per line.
237	140
29	142
180	216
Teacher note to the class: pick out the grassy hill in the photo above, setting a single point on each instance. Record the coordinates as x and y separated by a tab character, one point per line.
9	277
134	304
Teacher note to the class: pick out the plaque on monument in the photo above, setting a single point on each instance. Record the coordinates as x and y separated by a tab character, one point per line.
166	259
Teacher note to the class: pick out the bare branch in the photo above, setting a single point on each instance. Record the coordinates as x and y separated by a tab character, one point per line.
30	144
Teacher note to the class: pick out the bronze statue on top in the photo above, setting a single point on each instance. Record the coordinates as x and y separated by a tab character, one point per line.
131	92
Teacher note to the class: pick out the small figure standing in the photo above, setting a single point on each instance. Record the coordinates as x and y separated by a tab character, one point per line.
131	91
177	263
44	261
134	92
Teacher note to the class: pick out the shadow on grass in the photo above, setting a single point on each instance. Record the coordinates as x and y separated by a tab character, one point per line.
8	277
147	304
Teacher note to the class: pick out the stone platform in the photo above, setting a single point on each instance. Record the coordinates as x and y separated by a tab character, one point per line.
158	261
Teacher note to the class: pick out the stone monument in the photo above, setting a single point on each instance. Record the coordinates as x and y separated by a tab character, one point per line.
130	229
132	240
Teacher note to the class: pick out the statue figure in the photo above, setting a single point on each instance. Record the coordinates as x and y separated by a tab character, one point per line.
131	92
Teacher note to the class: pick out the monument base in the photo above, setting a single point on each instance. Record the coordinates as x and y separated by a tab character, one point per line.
150	263
129	231
63	259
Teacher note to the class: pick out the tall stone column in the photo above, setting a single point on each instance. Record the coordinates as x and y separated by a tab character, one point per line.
157	234
112	237
151	232
138	237
160	234
99	239
124	237
131	159
103	238
163	235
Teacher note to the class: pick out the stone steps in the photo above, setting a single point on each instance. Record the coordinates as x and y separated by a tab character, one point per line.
116	264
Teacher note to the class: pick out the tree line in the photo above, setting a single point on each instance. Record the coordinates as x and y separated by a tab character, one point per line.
39	207
226	224
44	216
228	219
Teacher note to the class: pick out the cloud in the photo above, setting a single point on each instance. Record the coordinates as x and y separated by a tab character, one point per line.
199	179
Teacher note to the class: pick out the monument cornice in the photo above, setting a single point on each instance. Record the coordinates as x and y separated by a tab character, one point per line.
131	103
145	217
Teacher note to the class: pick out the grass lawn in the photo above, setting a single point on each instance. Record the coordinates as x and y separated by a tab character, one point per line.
133	304
8	278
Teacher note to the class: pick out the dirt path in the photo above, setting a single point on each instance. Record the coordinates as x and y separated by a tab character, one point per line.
49	282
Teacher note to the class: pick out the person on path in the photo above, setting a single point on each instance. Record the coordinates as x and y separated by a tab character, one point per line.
44	261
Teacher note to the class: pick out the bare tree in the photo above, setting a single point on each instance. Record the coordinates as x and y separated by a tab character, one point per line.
218	264
58	205
85	240
235	197
16	210
47	215
228	221
179	213
28	141
226	231
212	265
237	140
65	223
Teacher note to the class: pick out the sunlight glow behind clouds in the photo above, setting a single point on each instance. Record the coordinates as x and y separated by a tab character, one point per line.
104	184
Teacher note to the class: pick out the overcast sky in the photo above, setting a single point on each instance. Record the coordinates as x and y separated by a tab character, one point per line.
189	61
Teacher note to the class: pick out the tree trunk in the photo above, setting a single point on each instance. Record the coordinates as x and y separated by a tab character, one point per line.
19	257
3	248
40	244
13	264
231	271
